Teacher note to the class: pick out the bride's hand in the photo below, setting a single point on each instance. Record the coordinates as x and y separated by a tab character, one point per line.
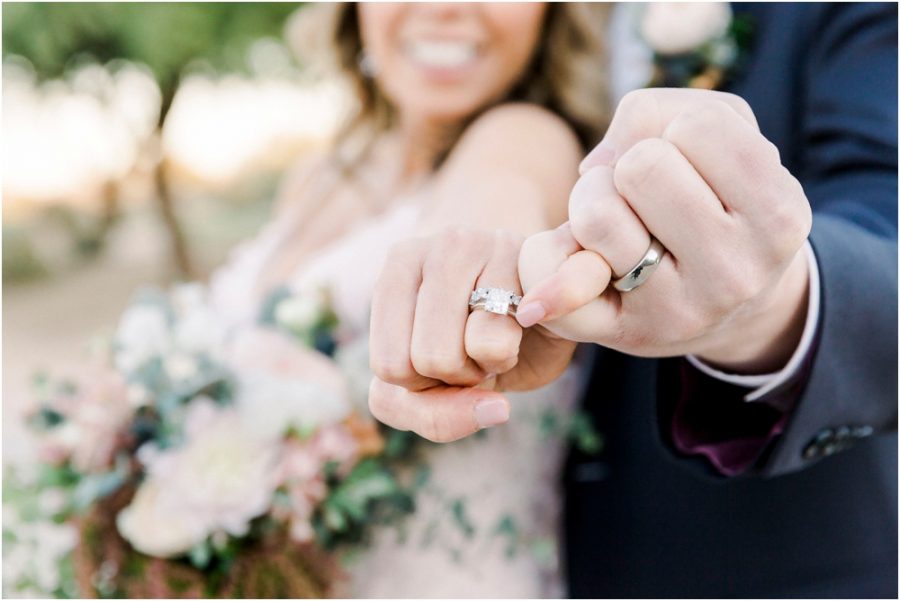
439	368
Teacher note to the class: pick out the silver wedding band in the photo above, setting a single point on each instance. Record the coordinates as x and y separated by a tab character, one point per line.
641	272
495	300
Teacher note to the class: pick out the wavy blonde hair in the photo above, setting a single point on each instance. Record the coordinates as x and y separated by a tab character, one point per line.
567	74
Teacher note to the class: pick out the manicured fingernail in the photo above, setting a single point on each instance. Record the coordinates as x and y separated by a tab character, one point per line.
491	412
602	154
530	313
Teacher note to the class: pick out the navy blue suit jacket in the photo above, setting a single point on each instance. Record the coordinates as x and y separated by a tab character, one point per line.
816	513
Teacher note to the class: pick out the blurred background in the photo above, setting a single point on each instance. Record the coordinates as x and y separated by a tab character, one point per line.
140	143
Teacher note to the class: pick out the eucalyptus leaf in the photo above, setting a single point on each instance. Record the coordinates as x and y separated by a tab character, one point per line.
200	555
461	518
93	487
270	304
333	517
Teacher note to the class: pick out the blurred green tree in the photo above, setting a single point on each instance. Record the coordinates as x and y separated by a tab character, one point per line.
167	37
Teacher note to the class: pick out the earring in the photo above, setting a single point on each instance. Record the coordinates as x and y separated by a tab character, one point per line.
366	64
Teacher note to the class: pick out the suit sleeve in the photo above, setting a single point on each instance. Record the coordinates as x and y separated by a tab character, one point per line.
847	388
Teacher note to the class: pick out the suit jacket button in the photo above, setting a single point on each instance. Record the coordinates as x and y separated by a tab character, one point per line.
811	451
822	444
824	436
863	431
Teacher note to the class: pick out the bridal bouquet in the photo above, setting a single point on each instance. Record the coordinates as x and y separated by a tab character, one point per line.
200	458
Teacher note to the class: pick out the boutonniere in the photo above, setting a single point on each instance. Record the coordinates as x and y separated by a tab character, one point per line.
694	44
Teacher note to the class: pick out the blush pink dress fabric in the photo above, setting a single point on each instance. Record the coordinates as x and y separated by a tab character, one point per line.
487	521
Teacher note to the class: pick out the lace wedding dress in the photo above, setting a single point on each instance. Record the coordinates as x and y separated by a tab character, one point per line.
486	522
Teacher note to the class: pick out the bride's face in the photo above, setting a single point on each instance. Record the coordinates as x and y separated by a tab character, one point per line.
446	61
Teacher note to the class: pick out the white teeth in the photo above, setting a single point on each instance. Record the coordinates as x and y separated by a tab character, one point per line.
442	54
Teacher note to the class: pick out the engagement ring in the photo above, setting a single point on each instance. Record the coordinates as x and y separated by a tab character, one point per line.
495	300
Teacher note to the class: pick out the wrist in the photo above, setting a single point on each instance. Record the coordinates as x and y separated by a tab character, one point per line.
763	339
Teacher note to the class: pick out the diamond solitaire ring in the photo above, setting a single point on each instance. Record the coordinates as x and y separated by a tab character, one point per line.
495	300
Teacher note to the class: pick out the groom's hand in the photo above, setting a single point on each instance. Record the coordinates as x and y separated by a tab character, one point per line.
440	369
690	168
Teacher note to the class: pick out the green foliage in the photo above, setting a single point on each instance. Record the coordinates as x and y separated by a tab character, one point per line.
370	494
270	305
584	435
461	517
165	36
578	428
508	529
93	487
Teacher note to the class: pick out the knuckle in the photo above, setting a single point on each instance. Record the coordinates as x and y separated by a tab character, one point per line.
437	365
638	102
377	403
789	225
454	236
393	370
502	367
739	105
770	152
534	244
493	350
640	162
688	124
461	241
700	118
806	218
405	250
438	428
590	222
736	288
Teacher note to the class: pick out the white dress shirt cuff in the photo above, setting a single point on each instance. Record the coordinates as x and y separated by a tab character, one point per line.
762	384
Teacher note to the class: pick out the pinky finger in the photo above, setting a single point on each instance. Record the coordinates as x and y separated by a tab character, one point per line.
581	278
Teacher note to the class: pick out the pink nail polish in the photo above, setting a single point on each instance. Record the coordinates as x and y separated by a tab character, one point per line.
530	313
491	412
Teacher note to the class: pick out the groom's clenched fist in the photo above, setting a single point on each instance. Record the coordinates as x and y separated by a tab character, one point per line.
690	169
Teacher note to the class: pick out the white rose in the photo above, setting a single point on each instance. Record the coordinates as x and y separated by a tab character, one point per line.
270	404
138	396
298	313
223	476
281	383
155	527
678	27
180	367
200	330
143	333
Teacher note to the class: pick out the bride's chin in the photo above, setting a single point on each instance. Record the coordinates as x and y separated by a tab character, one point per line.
442	110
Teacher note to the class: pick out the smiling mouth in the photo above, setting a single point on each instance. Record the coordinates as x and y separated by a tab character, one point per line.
442	54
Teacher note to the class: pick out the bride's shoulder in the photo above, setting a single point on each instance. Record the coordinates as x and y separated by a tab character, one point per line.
522	140
523	136
522	121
